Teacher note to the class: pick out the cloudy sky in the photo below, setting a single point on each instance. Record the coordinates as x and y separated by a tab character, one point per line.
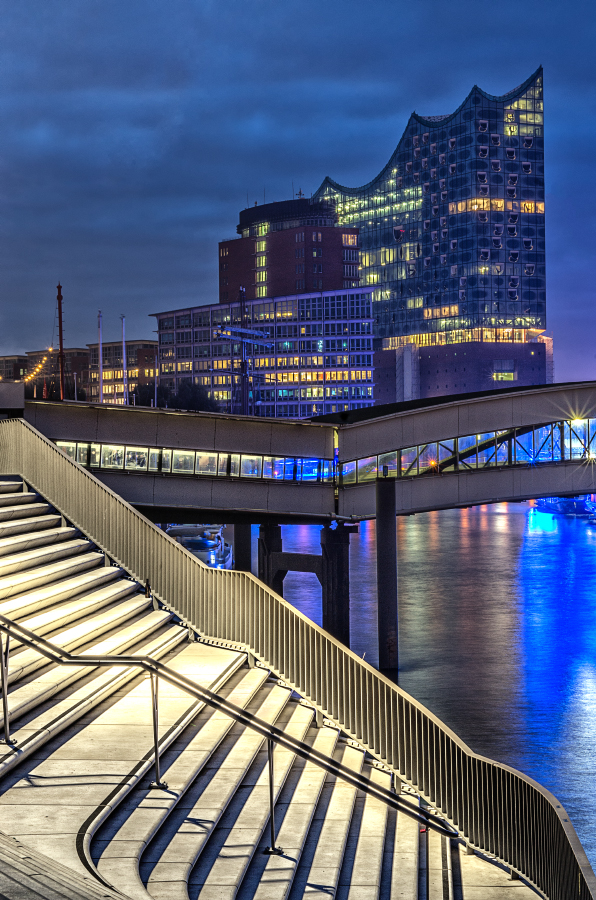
132	133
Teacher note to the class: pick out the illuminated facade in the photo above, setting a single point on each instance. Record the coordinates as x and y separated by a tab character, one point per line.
315	355
140	358
288	247
452	233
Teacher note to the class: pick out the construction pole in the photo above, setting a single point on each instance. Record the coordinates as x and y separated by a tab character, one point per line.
100	358
124	362
61	342
155	384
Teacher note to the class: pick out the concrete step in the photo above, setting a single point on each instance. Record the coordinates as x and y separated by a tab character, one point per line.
17	498
22	605
224	875
11	487
402	852
56	799
25	511
28	696
440	874
33	523
26	874
271	877
62	614
41	556
22	664
19	543
360	876
167	863
118	845
319	868
19	582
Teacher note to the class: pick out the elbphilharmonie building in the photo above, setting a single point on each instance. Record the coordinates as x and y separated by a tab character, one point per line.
452	245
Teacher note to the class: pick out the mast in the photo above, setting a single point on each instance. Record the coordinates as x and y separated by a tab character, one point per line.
60	342
100	358
124	362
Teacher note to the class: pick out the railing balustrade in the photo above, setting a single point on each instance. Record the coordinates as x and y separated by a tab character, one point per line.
497	809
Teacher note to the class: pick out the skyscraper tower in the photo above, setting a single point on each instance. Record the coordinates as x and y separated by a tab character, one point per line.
452	244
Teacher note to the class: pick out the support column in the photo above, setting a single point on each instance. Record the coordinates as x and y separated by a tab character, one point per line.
242	547
335	580
270	542
386	529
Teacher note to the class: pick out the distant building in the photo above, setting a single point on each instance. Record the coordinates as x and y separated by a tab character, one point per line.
318	359
46	381
13	368
452	246
290	247
141	369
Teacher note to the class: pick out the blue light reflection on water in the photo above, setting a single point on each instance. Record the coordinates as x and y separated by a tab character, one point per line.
497	634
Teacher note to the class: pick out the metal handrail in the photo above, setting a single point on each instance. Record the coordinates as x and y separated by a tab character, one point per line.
157	669
496	808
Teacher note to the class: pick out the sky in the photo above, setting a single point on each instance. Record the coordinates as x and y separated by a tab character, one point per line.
133	133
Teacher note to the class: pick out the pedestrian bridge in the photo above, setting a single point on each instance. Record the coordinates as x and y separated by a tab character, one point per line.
507	446
83	735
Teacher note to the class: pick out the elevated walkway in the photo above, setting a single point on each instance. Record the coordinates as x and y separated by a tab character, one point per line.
76	789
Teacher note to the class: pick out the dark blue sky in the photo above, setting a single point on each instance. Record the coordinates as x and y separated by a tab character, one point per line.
133	131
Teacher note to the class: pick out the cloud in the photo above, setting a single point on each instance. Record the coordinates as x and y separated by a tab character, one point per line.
133	133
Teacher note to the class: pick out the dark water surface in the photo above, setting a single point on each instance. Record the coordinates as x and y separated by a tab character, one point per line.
497	634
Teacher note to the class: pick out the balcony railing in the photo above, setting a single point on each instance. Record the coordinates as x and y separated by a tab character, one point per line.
497	809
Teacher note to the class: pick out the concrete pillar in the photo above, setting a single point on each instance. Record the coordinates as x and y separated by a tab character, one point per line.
270	541
387	576
242	547
335	580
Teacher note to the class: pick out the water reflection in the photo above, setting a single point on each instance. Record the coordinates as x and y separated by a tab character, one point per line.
497	634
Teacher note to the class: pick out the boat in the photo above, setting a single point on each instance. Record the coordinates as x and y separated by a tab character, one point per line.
580	507
206	542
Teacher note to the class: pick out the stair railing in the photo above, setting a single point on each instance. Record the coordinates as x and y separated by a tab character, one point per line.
273	735
496	808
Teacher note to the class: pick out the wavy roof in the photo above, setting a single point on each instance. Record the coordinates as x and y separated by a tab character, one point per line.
432	120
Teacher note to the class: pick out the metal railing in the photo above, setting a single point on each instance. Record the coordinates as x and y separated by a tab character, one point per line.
497	809
156	670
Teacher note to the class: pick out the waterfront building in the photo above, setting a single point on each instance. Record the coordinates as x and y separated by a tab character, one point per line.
13	368
289	247
141	359
43	370
452	248
313	355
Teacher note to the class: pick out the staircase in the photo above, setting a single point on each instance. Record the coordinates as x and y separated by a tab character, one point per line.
78	814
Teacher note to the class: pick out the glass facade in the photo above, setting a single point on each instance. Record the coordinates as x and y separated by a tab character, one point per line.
552	442
314	355
452	229
571	439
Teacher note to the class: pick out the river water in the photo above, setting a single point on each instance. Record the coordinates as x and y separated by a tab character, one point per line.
497	618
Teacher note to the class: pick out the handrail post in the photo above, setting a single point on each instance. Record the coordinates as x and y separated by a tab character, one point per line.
272	849
158	783
4	652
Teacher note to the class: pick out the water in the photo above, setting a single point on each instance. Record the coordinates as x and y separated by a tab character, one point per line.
497	634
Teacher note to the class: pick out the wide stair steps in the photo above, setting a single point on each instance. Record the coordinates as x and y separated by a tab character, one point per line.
76	792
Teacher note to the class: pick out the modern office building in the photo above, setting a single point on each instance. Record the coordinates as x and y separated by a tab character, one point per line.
141	369
294	246
452	248
312	353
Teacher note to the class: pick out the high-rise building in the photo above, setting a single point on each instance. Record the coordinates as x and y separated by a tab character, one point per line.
312	354
290	247
452	247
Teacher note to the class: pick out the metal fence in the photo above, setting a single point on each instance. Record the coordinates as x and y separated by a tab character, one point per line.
497	809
